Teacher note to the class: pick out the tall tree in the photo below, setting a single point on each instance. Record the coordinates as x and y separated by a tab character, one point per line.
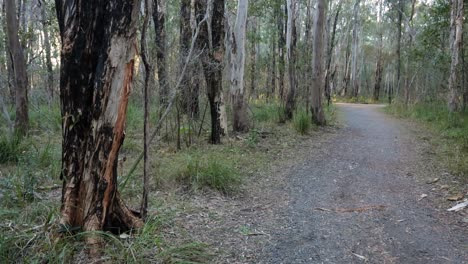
46	29
159	20
291	40
19	69
238	38
96	72
379	65
331	46
212	40
355	49
318	116
456	43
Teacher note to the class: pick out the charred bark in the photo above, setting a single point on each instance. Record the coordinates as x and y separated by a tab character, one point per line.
97	63
159	20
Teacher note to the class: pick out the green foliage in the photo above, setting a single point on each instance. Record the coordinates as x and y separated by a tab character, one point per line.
10	149
302	122
253	138
212	172
451	127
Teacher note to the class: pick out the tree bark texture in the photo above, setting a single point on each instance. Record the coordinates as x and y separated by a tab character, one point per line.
238	38
159	20
291	58
19	69
355	49
456	44
97	64
318	76
212	41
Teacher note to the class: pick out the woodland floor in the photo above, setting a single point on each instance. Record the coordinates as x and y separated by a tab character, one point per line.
358	193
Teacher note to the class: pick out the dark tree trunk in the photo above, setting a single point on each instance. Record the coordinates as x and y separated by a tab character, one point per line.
190	91
379	66
291	59
19	69
97	63
318	116
253	57
159	19
212	39
330	55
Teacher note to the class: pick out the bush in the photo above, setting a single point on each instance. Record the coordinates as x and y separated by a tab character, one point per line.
212	173
10	149
302	122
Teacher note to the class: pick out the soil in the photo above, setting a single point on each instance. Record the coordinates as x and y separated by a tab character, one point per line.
355	194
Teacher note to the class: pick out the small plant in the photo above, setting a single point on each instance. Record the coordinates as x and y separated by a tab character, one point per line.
211	172
302	122
10	149
252	140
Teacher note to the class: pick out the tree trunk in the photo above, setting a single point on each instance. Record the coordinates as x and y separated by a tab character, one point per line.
159	19
398	51
354	56
281	46
190	92
291	59
456	43
238	35
45	30
253	56
97	64
378	66
318	116
212	38
19	69
330	55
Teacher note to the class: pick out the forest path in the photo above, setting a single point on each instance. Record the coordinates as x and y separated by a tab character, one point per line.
371	167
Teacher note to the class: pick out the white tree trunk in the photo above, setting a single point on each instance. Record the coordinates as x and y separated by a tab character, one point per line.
456	43
237	37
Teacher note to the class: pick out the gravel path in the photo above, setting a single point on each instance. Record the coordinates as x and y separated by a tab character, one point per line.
358	199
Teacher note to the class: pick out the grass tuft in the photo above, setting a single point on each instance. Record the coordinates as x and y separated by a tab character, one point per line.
302	122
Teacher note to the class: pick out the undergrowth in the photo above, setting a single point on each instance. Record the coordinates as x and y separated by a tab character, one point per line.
452	144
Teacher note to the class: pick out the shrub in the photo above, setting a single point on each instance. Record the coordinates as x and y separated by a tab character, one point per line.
10	149
211	172
302	122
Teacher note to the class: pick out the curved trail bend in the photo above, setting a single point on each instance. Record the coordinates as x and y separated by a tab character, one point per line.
357	199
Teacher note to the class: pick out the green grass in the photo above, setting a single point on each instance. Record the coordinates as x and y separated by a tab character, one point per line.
302	122
451	128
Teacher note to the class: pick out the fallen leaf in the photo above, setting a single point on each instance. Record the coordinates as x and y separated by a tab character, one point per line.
124	236
433	181
422	196
455	198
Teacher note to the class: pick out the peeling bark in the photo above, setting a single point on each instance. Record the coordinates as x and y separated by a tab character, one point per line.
97	62
238	37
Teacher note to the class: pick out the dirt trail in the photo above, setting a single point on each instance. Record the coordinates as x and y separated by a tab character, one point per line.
357	199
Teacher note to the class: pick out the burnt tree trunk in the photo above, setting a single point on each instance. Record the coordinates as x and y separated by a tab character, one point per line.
212	40
159	19
20	76
97	63
379	66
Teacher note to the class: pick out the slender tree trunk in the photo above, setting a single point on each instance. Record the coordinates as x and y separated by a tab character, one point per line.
398	51
190	93
253	56
271	92
47	44
347	68
97	63
19	69
238	36
355	44
330	55
159	20
379	66
456	43
212	38
318	116
281	48
291	58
